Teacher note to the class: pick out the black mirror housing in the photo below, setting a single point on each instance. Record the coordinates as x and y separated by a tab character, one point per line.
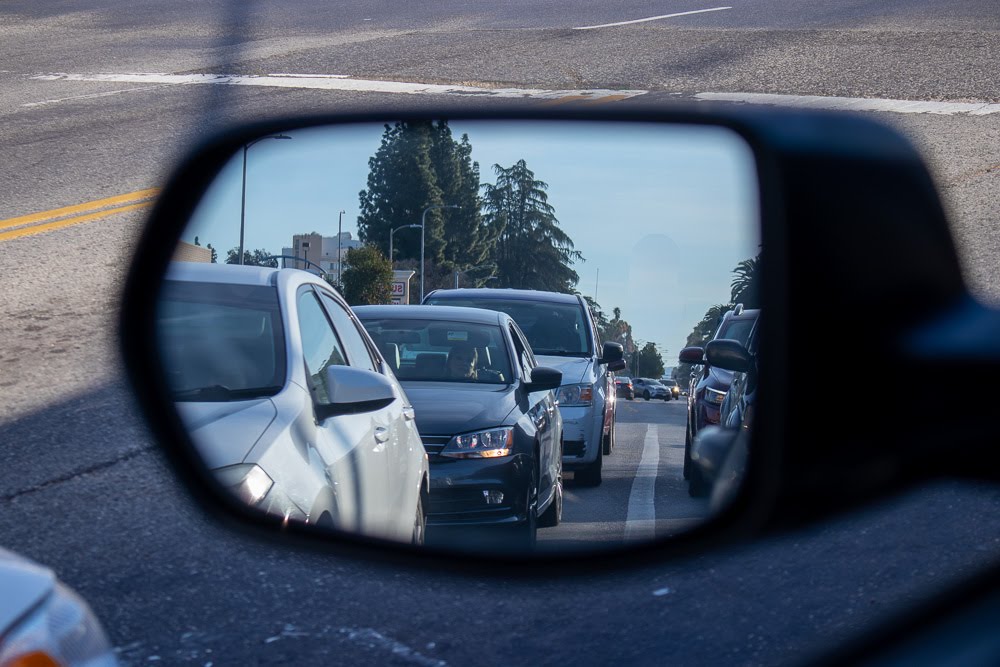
544	378
728	354
611	352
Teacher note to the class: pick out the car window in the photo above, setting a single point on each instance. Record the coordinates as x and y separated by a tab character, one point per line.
738	330
555	329
444	351
521	354
320	346
220	341
357	350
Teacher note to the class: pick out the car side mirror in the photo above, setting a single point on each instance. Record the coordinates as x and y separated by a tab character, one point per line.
729	355
610	353
692	355
618	365
354	390
544	378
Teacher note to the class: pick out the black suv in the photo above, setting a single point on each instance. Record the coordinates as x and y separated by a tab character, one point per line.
709	385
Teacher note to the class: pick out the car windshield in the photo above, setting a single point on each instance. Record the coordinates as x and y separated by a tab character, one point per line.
556	329
220	342
439	351
738	330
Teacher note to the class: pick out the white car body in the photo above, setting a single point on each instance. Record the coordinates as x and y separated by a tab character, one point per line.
364	472
39	616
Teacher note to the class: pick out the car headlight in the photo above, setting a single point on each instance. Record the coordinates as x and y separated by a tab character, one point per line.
64	631
714	396
575	394
247	480
491	444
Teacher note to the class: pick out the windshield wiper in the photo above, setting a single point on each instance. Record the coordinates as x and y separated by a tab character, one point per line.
558	353
218	392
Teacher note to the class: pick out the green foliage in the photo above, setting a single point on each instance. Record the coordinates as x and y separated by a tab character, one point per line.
367	277
531	251
419	165
746	283
254	258
649	363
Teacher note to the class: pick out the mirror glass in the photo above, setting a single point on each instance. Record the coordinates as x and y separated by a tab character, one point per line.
494	417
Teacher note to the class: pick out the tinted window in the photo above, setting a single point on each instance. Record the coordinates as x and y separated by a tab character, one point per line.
320	346
738	330
558	329
357	350
221	342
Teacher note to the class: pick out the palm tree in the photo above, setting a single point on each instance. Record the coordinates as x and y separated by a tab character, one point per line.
745	287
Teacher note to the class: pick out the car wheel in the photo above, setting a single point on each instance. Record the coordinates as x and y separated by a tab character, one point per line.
698	486
591	475
553	515
687	452
526	533
419	523
645	395
608	441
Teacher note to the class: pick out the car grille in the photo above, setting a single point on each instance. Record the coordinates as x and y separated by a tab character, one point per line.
433	444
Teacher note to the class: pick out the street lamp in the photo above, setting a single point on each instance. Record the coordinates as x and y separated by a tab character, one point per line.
340	250
243	197
393	231
423	227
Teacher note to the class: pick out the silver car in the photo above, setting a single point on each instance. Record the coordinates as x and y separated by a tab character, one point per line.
288	400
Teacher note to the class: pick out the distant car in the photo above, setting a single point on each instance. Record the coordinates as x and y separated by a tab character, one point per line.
671	384
648	388
563	335
486	414
709	385
289	402
624	388
43	622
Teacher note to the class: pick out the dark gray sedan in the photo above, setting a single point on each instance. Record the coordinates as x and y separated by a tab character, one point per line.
486	414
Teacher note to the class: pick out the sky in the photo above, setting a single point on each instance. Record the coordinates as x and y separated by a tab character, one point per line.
661	213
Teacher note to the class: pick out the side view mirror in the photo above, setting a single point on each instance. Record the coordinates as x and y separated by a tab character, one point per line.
779	177
611	353
692	355
544	378
618	365
729	355
354	390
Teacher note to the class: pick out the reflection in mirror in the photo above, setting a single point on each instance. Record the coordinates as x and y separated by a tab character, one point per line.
469	333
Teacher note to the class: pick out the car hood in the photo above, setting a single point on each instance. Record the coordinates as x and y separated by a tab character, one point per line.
24	584
449	408
574	369
226	432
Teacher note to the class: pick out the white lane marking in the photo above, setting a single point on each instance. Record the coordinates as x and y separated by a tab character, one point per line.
90	96
652	18
855	103
640	522
336	82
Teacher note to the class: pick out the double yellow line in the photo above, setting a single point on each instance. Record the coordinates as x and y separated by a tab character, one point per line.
37	223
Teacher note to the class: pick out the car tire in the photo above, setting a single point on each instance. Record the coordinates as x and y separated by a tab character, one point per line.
419	524
645	395
526	533
608	441
590	475
553	514
698	486
687	452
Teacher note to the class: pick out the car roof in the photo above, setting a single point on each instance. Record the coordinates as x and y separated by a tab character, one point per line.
233	274
508	294
437	313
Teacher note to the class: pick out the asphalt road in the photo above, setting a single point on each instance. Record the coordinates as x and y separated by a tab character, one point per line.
83	487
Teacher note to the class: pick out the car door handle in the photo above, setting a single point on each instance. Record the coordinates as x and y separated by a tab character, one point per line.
381	434
409	414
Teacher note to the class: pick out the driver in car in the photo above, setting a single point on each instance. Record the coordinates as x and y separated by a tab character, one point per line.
462	359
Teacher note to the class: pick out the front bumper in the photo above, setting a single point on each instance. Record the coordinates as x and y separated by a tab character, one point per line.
460	489
581	436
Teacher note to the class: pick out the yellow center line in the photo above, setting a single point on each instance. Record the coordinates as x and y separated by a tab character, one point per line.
78	208
608	98
58	224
